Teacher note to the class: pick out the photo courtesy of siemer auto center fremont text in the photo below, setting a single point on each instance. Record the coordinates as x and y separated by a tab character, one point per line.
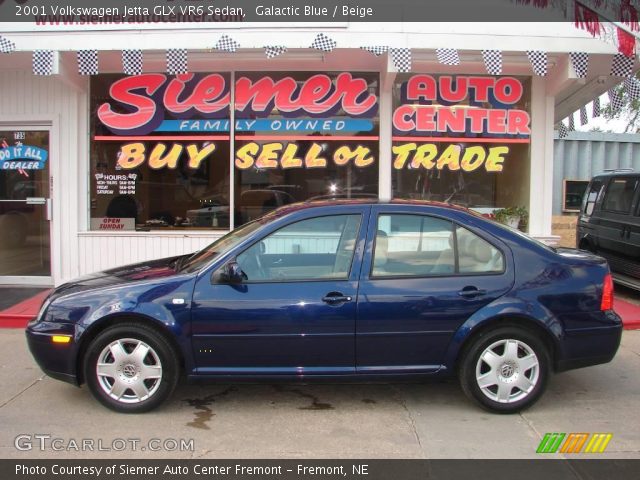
319	239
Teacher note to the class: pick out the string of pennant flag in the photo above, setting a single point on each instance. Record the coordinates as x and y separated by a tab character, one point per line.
621	66
177	58
177	63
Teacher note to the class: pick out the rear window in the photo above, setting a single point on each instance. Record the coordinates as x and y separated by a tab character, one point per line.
619	195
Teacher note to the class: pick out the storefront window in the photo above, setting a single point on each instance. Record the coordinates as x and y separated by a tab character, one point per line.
160	154
160	146
462	139
302	136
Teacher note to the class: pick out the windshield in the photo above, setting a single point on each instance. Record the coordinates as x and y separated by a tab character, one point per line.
228	241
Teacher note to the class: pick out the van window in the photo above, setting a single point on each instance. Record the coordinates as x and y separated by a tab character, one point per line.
591	197
619	195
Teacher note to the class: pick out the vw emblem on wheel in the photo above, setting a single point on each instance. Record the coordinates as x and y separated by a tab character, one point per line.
129	370
507	370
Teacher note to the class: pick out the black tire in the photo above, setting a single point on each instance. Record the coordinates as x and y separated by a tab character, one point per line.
468	365
161	352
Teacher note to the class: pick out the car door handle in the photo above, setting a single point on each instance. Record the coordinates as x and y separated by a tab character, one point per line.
471	292
334	298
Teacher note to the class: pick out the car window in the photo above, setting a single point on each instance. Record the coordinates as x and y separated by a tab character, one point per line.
314	249
413	245
417	246
227	242
476	255
591	197
619	195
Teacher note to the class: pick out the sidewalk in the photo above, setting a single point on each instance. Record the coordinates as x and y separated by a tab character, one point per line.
18	305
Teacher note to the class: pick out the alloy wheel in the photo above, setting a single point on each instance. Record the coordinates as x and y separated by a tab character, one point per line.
129	370
507	371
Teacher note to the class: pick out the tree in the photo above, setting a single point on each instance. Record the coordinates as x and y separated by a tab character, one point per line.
630	111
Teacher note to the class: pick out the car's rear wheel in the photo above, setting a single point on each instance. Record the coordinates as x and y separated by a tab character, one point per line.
505	370
131	368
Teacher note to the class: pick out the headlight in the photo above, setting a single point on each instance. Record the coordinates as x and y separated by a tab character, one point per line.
41	312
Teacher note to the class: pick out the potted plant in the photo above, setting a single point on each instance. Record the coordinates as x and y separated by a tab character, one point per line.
511	216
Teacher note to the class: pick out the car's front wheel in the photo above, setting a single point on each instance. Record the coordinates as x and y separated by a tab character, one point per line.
505	370
131	368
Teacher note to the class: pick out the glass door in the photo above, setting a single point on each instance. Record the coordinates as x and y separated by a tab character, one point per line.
25	253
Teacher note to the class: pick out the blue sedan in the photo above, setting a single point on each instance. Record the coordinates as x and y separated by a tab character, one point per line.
340	290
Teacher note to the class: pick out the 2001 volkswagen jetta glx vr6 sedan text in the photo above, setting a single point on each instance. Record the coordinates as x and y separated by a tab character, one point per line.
341	290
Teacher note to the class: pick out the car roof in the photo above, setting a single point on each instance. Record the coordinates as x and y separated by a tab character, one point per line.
622	172
294	207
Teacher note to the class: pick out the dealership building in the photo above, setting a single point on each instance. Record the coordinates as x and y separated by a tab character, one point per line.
125	143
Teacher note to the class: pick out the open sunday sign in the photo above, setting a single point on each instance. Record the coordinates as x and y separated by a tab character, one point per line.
23	157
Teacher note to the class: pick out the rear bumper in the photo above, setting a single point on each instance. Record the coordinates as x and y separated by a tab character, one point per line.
56	360
590	346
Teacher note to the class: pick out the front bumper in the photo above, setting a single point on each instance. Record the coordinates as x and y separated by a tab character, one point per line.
57	360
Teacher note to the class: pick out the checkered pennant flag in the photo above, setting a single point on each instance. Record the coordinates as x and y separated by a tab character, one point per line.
377	50
615	100
227	44
583	115
596	107
177	61
6	45
324	43
448	56
538	61
272	51
621	66
43	62
632	86
562	130
580	63
572	123
492	61
401	58
132	62
87	62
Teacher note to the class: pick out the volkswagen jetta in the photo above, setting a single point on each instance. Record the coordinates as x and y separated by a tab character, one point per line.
344	291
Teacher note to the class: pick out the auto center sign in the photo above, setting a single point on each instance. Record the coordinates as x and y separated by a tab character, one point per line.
458	122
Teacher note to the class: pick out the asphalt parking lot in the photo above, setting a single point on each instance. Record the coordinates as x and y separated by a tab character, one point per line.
432	420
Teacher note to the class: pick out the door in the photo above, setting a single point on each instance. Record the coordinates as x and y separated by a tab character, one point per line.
425	277
294	314
25	255
615	220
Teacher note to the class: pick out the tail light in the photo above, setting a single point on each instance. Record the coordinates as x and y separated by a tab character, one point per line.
607	293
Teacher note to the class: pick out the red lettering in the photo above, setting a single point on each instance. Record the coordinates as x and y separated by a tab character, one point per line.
421	87
207	97
317	95
518	121
450	93
142	108
425	118
481	87
508	90
477	117
451	119
496	121
403	118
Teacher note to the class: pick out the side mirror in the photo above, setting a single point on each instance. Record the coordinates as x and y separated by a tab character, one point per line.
230	273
